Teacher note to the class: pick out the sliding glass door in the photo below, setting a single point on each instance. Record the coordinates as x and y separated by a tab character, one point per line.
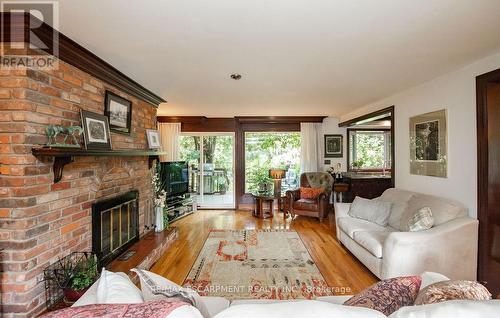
211	168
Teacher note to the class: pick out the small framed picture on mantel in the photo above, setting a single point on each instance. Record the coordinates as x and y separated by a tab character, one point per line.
153	137
119	112
96	130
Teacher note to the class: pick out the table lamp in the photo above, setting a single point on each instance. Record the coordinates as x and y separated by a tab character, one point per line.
277	175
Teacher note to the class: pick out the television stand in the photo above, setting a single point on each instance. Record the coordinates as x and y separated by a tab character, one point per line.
179	206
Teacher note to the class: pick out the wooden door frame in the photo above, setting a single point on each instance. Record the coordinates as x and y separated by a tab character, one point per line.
483	162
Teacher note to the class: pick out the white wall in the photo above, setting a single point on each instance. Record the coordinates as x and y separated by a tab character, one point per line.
456	92
330	126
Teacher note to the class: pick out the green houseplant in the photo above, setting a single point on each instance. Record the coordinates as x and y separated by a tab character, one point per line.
76	276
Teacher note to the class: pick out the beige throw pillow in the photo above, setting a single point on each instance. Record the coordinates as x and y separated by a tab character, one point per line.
452	290
371	210
421	221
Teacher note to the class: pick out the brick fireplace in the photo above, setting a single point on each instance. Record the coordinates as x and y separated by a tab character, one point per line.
41	221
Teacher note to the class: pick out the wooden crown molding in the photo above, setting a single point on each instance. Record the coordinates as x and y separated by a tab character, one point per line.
376	115
76	55
279	119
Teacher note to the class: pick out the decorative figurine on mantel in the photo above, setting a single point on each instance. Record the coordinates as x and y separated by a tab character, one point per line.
71	132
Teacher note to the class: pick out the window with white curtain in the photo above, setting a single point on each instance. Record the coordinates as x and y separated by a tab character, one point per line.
369	149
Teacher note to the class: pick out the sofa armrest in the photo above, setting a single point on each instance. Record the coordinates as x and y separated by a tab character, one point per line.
449	248
341	209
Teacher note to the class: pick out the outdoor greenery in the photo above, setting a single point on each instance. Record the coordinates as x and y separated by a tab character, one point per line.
264	151
217	150
369	150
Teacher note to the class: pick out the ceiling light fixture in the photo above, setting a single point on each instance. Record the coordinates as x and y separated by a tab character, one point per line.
236	76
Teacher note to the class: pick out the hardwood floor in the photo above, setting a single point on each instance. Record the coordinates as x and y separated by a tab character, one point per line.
339	268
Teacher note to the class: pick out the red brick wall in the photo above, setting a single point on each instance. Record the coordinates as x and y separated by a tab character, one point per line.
41	221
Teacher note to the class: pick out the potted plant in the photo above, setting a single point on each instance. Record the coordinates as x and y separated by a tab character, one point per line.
77	276
356	165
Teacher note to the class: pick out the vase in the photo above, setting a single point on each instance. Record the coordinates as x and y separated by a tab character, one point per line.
159	219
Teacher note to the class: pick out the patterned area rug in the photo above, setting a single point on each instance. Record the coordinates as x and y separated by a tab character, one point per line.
258	264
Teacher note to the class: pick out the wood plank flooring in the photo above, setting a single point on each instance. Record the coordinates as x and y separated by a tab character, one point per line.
340	269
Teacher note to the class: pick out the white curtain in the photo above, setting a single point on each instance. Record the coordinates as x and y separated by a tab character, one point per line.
169	136
309	147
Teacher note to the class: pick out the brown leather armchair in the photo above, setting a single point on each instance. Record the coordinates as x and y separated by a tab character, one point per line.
320	207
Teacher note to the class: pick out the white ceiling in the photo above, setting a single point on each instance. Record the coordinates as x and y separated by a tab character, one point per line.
297	57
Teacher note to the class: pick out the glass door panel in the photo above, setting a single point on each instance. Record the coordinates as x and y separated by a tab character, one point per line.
211	161
190	150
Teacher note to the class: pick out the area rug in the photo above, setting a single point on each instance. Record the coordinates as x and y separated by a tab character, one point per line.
256	264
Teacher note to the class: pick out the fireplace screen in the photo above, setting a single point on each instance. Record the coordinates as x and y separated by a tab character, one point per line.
115	226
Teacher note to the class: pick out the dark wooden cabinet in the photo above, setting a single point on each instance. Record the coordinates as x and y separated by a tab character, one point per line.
366	187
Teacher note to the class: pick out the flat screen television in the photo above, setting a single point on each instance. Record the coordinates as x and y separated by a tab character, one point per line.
174	177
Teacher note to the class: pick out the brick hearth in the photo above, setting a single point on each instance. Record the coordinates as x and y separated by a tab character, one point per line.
42	221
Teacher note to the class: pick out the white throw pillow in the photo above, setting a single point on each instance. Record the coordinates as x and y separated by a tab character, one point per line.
429	278
154	286
117	288
374	211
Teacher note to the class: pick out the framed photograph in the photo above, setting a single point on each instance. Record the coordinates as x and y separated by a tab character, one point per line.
153	137
334	146
119	112
95	130
428	144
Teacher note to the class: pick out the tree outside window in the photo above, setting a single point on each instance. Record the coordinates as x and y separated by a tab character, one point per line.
369	150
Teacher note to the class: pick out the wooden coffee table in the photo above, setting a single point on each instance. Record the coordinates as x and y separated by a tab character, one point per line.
266	198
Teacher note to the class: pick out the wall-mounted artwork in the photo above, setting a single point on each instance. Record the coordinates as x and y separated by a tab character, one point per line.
119	112
334	146
428	144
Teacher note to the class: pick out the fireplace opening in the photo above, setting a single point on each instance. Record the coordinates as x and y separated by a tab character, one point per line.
115	226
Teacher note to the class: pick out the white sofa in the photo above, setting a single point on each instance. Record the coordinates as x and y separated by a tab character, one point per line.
449	247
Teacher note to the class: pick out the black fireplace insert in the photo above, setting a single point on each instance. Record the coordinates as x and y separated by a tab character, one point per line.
115	226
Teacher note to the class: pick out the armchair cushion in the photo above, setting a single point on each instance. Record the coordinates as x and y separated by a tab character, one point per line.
306	204
310	193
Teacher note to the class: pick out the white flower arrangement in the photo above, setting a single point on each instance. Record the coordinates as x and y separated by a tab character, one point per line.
160	195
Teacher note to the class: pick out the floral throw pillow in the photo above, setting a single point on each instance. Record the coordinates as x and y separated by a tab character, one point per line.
151	309
310	193
388	295
452	290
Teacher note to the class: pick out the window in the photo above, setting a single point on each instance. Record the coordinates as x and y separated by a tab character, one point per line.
369	149
266	150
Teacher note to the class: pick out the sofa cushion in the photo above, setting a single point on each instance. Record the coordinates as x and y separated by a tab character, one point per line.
388	295
117	288
429	278
371	210
306	204
351	225
447	309
214	304
443	210
372	241
452	290
155	287
399	199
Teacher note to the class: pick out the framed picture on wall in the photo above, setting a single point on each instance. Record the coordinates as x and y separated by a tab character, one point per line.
153	137
119	112
334	146
95	130
428	144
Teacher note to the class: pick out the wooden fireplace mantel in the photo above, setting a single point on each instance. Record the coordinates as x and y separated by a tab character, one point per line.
63	156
